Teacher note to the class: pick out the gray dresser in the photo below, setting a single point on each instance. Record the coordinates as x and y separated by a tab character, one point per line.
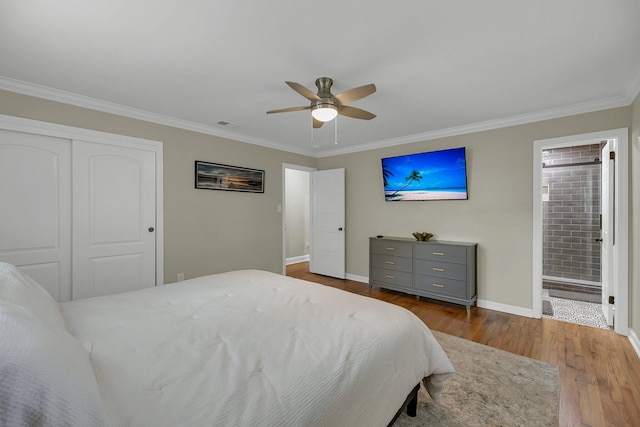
440	270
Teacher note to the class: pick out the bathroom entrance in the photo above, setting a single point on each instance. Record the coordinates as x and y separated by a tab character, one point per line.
580	229
571	234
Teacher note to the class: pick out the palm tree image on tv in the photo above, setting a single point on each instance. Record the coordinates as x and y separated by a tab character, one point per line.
414	176
436	175
386	173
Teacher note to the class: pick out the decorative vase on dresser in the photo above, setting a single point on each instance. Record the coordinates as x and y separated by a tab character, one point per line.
439	270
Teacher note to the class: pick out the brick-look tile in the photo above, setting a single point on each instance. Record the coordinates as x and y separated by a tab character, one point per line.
571	216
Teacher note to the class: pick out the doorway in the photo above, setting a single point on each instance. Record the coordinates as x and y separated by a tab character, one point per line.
613	247
296	214
571	234
318	197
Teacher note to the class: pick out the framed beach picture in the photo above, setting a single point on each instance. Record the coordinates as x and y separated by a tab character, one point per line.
214	176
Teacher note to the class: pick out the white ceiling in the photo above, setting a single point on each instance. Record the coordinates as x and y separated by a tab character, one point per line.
440	67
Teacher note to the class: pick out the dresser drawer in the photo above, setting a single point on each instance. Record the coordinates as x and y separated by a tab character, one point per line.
447	253
391	247
441	286
391	262
392	277
447	270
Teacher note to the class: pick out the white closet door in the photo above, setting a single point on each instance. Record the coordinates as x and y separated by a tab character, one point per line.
35	217
114	219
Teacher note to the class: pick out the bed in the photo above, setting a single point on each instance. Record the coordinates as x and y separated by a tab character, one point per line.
243	348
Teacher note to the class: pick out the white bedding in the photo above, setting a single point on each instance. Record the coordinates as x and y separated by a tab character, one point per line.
252	348
46	377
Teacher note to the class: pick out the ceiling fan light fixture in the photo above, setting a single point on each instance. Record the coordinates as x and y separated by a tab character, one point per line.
324	112
325	106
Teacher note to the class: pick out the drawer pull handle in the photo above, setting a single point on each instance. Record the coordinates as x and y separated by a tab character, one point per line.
388	276
438	253
437	285
390	249
390	262
437	269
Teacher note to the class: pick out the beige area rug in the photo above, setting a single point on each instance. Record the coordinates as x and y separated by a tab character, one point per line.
491	387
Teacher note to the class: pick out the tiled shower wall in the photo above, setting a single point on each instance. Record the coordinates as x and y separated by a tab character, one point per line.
571	215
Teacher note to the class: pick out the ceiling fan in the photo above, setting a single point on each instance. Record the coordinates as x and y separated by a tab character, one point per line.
325	106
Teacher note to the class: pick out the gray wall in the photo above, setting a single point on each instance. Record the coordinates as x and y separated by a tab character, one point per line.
499	212
208	231
205	231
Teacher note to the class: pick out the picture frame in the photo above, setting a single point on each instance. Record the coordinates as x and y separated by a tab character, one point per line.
216	176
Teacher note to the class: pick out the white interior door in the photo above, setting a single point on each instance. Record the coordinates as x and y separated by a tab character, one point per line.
35	218
114	219
328	223
607	233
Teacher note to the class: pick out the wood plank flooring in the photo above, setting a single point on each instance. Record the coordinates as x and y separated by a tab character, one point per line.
599	370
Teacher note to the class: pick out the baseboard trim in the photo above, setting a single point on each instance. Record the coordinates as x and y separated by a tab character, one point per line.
297	259
635	342
356	278
511	309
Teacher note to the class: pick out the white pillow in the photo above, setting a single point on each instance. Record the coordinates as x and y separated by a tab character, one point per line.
18	288
45	374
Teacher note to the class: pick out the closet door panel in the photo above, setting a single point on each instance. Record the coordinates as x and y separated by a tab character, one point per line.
35	190
114	219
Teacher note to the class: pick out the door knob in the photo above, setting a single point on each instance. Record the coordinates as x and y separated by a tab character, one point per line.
150	229
340	229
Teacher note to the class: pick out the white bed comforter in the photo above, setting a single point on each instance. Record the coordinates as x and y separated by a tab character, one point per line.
252	348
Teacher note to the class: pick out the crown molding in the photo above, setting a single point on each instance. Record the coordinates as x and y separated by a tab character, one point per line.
586	107
57	95
634	87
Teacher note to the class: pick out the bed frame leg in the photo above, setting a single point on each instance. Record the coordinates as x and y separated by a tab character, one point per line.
412	405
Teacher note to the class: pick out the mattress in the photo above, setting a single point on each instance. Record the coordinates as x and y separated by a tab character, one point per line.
253	348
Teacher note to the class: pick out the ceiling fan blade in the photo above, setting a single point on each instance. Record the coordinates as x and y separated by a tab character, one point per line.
355	113
303	91
354	94
286	110
316	123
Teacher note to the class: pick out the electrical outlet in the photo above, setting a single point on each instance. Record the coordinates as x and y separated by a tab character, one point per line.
180	277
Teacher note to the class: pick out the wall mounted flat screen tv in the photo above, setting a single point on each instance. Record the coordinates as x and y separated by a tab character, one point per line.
434	175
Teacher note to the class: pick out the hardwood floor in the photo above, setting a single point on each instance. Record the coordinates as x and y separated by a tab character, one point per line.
599	370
